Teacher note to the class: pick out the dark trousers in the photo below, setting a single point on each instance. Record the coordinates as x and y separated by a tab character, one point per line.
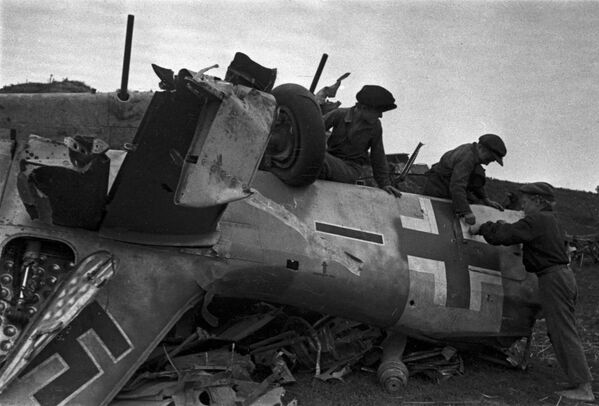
436	186
558	293
339	170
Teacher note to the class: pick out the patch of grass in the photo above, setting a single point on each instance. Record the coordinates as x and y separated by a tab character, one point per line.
577	211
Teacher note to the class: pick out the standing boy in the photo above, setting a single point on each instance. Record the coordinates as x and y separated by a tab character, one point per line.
545	254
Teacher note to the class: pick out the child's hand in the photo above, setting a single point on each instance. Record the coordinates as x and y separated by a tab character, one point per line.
475	229
470	219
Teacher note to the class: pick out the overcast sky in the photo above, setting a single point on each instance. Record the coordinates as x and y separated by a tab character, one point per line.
527	71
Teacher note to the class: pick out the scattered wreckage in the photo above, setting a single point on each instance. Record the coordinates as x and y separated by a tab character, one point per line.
269	343
583	246
110	242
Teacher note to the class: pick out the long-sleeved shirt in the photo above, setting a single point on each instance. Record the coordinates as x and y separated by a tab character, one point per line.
476	185
452	175
351	139
544	242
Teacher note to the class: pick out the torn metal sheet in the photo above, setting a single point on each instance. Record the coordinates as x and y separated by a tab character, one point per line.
279	366
516	356
214	172
219	359
247	326
262	388
438	364
316	245
209	317
138	384
196	337
334	373
151	391
342	342
184	388
266	357
335	344
65	183
340	368
199	388
214	396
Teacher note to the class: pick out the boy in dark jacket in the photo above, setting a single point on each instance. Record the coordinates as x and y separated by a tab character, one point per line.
545	254
357	138
451	177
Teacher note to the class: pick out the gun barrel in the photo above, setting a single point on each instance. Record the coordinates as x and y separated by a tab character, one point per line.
123	94
323	60
410	162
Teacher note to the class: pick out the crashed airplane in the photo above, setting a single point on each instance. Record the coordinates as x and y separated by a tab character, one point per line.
119	215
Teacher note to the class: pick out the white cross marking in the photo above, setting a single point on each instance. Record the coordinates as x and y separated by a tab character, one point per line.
435	268
478	276
426	224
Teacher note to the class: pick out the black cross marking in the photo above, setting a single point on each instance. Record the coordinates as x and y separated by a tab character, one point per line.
448	247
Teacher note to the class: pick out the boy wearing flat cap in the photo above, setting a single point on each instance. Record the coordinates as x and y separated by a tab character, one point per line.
355	132
450	178
545	254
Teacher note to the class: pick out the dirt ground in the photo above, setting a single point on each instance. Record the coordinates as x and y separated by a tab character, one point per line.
483	382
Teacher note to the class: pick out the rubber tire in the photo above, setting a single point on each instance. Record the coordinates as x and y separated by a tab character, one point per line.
308	155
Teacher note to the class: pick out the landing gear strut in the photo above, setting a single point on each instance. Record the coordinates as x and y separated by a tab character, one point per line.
392	372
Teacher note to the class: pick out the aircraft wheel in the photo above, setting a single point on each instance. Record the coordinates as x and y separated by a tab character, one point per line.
296	149
393	375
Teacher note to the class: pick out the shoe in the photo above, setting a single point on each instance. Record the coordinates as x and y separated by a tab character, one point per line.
583	392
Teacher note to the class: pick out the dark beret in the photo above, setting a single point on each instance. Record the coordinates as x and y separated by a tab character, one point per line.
494	144
377	97
543	189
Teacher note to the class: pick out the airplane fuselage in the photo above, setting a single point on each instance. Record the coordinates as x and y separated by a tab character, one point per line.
404	264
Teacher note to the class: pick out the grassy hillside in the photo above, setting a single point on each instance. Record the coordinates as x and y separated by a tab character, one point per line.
64	86
578	211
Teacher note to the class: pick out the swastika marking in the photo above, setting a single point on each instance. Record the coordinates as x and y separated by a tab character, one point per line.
22	393
79	368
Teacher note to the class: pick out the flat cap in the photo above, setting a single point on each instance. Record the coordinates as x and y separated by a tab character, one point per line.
494	144
543	189
377	97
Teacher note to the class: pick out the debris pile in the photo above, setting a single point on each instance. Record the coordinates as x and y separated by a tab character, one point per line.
217	377
248	360
438	364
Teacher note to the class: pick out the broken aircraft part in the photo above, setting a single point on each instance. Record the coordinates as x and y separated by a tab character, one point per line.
33	329
351	252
